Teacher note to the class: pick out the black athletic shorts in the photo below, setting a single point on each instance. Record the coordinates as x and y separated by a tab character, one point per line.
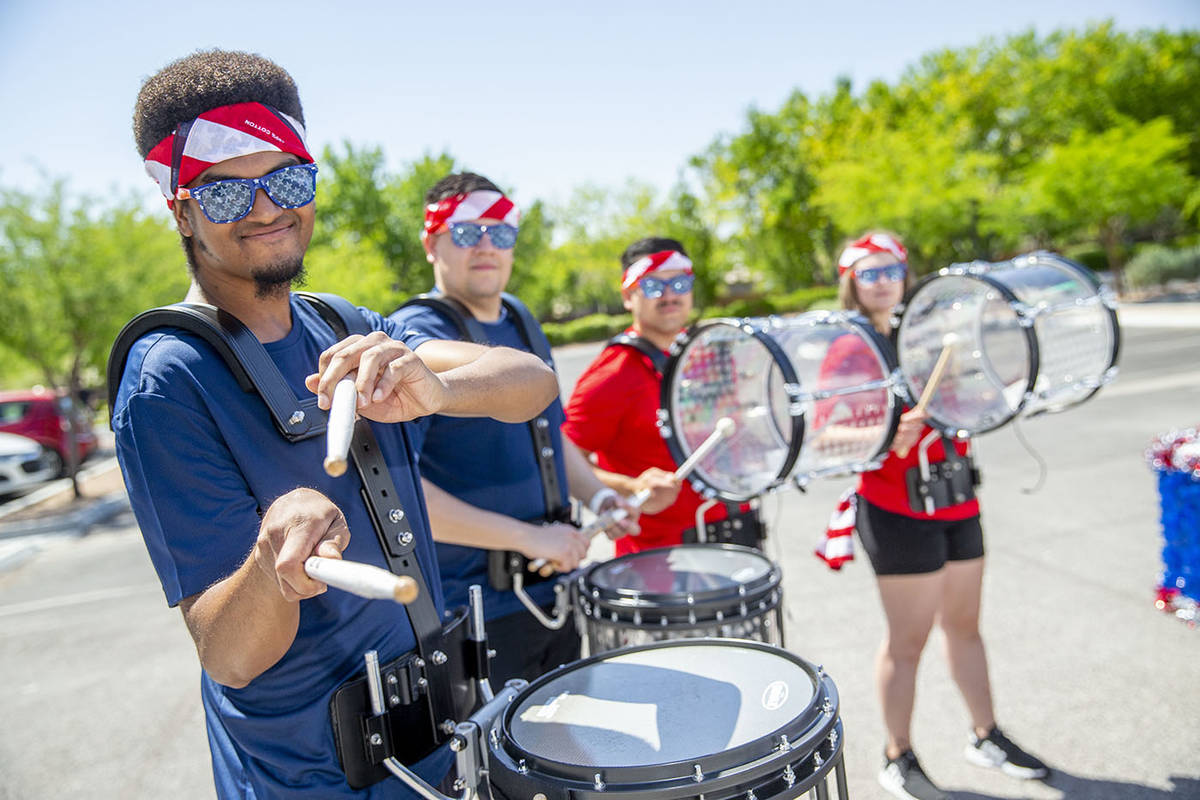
900	545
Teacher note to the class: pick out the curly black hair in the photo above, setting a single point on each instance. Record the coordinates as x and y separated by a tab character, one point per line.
651	244
204	80
459	183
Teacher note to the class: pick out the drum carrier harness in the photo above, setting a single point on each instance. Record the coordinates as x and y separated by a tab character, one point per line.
742	524
504	564
426	691
940	484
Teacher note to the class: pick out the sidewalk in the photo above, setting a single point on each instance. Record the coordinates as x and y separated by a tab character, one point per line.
51	513
1159	315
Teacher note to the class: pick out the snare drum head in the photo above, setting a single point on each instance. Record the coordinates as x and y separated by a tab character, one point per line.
992	356
668	575
675	702
845	372
723	369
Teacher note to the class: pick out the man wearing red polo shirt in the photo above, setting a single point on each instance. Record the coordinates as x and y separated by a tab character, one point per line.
613	411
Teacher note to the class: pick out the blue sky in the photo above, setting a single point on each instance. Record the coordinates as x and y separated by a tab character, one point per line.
542	96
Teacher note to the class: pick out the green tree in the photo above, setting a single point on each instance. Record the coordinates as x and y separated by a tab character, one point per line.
366	209
1103	186
72	274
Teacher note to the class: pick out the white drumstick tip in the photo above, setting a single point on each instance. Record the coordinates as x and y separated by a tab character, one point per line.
364	580
726	426
340	428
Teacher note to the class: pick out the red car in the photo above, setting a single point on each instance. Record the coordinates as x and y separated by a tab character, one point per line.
42	416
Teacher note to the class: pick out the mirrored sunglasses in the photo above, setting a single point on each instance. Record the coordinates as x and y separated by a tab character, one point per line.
892	272
468	234
230	199
653	288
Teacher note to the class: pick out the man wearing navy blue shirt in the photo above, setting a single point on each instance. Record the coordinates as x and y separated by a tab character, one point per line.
484	483
229	509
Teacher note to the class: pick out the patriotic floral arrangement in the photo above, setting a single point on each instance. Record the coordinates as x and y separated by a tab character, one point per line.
1175	457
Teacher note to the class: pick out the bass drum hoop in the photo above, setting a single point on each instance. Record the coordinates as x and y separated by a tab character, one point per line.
1024	322
1114	322
703	484
759	756
624	603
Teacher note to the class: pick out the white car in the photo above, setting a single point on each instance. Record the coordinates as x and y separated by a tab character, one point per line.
23	463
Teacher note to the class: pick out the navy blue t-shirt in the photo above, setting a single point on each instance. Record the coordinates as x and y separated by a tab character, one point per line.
486	463
202	460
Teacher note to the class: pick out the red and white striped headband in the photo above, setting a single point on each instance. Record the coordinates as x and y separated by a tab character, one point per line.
482	204
220	134
871	243
663	259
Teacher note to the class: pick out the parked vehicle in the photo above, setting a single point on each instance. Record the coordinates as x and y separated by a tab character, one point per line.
24	463
43	416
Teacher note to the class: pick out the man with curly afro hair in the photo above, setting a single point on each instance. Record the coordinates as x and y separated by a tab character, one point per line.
229	508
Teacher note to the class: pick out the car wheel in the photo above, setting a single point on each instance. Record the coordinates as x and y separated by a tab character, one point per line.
56	461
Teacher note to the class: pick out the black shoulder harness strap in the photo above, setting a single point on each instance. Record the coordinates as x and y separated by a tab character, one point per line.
299	420
470	330
643	346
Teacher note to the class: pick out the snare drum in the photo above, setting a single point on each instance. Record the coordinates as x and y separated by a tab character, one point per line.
686	591
1031	335
811	395
714	718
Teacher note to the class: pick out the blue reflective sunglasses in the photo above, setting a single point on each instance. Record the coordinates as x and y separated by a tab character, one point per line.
231	199
892	272
468	234
653	288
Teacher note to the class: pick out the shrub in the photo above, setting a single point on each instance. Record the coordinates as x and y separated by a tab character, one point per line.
592	328
1155	265
598	327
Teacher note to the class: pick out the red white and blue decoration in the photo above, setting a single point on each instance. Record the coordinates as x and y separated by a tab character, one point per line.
1175	457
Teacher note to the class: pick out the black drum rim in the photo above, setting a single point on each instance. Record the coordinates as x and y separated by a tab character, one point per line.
812	724
668	414
1089	278
1030	338
628	600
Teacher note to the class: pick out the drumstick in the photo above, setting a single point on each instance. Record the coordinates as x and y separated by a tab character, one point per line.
725	427
935	377
361	579
340	428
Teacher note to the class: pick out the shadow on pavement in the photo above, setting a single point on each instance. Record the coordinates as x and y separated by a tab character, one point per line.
1075	787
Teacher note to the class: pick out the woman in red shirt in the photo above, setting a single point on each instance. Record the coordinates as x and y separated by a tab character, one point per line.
928	566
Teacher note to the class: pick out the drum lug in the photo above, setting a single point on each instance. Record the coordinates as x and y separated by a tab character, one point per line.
782	744
598	782
789	776
697	773
522	767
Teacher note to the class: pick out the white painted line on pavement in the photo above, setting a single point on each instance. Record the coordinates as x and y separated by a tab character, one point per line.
79	598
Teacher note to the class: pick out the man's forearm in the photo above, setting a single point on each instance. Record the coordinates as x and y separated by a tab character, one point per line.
241	625
502	383
453	521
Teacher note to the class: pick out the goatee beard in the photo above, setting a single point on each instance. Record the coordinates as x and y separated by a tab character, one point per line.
277	279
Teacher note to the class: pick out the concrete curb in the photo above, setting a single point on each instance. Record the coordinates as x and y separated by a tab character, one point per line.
77	521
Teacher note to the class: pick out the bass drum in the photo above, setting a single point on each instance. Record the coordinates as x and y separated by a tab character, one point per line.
712	718
1032	335
810	396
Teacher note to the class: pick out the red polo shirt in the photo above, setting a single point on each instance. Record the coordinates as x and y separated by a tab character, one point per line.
612	413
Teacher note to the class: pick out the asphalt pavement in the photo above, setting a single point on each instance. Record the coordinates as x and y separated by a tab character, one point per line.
101	678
